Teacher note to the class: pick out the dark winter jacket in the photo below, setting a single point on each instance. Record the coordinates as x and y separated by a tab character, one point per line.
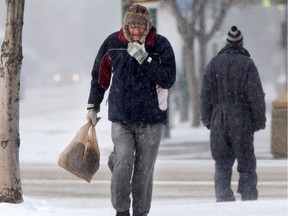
132	98
232	94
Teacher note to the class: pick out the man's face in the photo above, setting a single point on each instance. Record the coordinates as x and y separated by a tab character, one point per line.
136	31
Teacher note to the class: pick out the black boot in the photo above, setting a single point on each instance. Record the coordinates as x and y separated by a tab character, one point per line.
126	213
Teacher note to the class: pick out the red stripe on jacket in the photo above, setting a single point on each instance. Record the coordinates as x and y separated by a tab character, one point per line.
105	72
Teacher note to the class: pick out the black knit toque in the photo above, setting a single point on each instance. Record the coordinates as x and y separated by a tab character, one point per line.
234	36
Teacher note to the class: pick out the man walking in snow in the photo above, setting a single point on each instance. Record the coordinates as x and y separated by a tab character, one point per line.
140	66
233	108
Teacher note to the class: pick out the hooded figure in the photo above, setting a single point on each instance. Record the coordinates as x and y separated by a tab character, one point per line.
137	65
233	108
137	15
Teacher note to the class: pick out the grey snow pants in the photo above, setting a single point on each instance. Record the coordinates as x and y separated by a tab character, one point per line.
132	165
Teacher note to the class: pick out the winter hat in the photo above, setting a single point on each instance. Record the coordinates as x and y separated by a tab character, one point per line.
136	15
234	36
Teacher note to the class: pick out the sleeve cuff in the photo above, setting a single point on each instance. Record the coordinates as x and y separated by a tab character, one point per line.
90	106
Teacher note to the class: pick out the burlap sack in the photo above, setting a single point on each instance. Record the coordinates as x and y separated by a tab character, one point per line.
82	156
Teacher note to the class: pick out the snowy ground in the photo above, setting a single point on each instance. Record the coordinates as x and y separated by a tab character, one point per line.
51	117
182	208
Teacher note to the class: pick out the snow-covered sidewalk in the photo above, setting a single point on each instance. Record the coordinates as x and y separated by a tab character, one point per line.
32	207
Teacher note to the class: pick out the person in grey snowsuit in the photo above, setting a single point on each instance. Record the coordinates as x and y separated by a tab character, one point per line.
233	108
138	67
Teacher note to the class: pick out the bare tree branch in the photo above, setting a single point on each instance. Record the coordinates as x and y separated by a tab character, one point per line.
225	4
179	17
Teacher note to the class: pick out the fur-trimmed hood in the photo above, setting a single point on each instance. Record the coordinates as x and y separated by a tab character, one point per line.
137	15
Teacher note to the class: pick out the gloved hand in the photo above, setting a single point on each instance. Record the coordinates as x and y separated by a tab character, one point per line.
92	116
137	51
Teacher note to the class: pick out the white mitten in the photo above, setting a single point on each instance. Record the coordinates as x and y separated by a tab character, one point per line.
137	51
92	116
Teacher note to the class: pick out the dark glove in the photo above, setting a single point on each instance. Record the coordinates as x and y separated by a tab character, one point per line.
258	126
